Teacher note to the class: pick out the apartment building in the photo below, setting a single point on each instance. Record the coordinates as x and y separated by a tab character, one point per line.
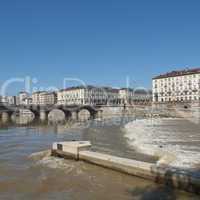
132	96
3	100
89	95
11	100
22	97
44	98
110	96
126	95
28	101
49	98
142	95
72	95
177	86
36	98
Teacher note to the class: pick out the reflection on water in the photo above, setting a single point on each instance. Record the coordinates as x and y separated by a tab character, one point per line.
28	173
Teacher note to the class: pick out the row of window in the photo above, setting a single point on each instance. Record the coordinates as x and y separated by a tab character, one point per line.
190	98
177	78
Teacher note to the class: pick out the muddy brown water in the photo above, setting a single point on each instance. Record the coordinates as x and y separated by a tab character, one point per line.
26	174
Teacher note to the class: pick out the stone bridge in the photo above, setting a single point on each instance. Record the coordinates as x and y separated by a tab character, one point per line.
42	112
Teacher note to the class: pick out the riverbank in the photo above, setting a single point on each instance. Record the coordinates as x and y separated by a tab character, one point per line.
178	138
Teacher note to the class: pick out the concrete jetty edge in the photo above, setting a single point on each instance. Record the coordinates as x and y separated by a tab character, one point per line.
164	174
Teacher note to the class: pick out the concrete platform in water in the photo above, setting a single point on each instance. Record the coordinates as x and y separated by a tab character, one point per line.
80	150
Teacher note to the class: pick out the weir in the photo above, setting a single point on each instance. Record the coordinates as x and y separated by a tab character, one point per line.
81	150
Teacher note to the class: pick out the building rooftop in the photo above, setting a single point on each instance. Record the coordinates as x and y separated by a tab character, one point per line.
39	92
23	92
28	98
73	88
110	89
178	73
127	89
142	91
90	87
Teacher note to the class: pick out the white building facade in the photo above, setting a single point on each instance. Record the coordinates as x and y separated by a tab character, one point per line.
11	100
22	97
28	101
89	95
4	100
132	96
126	95
44	98
177	86
142	95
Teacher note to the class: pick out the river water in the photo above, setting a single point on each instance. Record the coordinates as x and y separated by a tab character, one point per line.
179	137
25	173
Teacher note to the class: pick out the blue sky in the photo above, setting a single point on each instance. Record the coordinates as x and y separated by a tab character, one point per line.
98	41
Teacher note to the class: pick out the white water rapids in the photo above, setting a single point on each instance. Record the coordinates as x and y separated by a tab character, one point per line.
175	136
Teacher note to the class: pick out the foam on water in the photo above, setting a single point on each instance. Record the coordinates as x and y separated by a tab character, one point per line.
56	163
45	159
153	135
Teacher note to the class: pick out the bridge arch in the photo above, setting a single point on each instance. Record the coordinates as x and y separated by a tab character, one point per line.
6	113
6	116
59	115
35	112
90	109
